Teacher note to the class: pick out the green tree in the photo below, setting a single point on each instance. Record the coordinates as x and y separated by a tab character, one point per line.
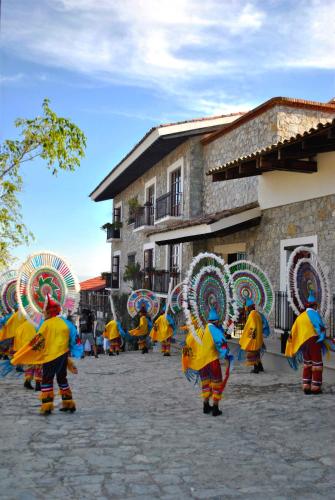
57	141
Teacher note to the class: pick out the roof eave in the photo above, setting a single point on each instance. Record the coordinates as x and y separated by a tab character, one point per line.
181	131
207	230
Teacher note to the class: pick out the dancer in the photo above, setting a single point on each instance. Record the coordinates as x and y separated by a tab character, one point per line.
142	330
11	324
163	330
252	338
113	331
305	343
203	361
50	347
24	334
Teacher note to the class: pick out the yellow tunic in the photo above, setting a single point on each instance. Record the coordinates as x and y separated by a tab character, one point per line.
301	331
24	334
50	342
161	330
195	355
252	335
111	330
9	330
142	329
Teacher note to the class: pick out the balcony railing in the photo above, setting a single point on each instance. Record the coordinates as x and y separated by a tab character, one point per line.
113	231
145	216
284	316
169	205
158	281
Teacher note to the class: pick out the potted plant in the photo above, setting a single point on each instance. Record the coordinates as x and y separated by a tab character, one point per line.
116	225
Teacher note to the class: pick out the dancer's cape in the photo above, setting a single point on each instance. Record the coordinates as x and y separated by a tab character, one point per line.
24	334
307	325
163	328
9	329
213	346
142	329
55	337
112	330
252	336
302	330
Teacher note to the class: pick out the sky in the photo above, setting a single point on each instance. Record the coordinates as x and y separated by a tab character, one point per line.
117	68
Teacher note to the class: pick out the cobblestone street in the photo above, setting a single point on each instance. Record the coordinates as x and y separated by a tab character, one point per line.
139	432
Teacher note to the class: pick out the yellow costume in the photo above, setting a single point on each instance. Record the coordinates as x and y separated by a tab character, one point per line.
142	329
301	331
9	330
111	330
141	332
252	335
195	356
24	334
203	360
162	331
50	342
113	335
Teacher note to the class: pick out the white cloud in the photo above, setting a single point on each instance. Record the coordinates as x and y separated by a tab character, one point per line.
173	46
9	79
310	37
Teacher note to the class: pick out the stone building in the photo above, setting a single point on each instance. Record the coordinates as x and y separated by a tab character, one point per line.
159	183
256	203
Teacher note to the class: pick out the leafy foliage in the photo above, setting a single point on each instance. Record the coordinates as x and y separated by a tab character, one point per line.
134	274
133	206
54	139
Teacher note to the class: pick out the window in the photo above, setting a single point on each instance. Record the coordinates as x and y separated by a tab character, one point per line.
175	192
150	205
148	259
233	257
117	215
174	258
131	259
116	271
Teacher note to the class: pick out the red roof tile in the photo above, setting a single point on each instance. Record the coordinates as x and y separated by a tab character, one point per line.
93	284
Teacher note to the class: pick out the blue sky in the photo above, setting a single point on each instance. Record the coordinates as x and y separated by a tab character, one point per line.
117	68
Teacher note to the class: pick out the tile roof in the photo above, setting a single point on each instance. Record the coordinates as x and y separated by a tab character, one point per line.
162	126
312	131
206	219
93	284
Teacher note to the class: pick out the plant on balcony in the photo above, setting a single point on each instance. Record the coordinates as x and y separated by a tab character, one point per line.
133	206
116	225
133	273
106	226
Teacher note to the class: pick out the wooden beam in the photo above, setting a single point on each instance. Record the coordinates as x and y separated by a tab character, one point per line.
304	166
296	151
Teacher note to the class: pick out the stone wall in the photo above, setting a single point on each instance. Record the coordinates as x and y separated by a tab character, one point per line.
278	123
133	241
306	218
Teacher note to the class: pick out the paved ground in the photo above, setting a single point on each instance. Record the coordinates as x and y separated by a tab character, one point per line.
139	432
